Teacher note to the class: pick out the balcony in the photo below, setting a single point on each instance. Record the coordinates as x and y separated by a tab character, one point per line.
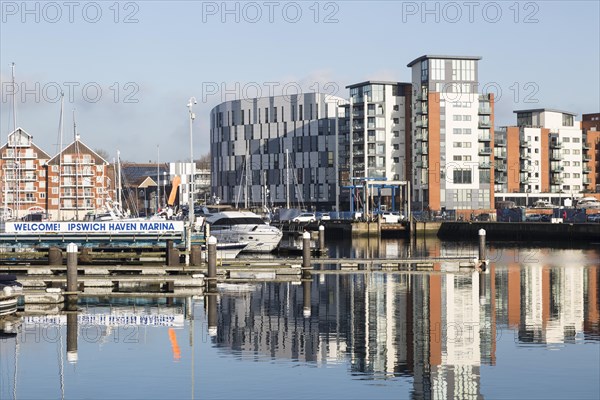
555	156
556	169
556	181
500	143
500	155
555	145
587	181
500	179
485	151
587	157
485	165
524	143
525	156
485	110
585	146
586	170
421	164
525	168
422	96
484	138
422	123
421	108
422	137
485	124
500	167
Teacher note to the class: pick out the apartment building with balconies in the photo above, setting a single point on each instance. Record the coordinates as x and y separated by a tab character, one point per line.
23	168
77	182
456	125
539	158
590	125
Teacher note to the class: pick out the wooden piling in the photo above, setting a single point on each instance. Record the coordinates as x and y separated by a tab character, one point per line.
196	256
321	238
55	256
212	263
482	258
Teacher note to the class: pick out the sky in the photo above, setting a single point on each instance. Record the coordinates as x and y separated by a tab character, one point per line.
128	69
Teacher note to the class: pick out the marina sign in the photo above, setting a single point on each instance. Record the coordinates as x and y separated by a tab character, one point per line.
74	227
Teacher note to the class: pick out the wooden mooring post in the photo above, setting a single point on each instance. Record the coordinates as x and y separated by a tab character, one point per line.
306	262
482	255
211	245
72	285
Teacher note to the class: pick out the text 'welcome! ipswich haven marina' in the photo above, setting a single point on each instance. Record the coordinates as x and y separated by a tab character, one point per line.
95	227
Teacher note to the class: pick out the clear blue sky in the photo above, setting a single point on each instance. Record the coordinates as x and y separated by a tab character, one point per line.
149	57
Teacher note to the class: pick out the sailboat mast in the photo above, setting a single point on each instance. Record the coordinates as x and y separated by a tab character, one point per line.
16	155
157	177
60	148
287	178
119	194
76	169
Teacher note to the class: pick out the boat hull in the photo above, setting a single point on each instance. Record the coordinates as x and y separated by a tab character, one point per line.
258	242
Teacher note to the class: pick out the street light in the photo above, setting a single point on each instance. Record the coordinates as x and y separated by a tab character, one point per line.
192	116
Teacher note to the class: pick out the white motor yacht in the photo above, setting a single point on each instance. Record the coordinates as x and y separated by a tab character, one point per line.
246	227
590	203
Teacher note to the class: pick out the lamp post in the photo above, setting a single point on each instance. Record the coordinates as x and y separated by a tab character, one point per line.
192	116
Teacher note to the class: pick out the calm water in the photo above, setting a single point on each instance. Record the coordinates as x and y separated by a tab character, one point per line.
527	328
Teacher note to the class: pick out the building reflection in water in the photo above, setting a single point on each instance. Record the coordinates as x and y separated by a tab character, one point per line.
437	327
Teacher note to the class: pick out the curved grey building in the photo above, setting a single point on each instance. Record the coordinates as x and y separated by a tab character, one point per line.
276	151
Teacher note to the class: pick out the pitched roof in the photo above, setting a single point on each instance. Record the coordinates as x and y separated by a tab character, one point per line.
78	147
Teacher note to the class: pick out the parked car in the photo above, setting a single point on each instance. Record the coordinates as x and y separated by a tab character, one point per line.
325	217
593	217
305	217
391	217
533	217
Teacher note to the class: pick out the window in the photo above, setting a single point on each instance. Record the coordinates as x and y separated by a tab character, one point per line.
576	140
457	158
566	140
396	134
567	120
462	176
576	151
396	108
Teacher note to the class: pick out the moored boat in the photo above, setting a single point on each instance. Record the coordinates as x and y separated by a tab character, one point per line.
244	226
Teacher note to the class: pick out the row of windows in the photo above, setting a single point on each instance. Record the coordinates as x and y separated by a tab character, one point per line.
459	117
461	131
269	114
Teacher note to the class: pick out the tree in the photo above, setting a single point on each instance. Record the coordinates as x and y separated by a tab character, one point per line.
102	153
